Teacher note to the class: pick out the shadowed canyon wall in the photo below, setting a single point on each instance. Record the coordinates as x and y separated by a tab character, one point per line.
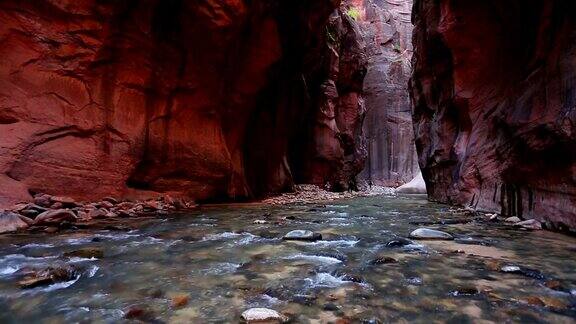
387	31
210	99
392	154
494	91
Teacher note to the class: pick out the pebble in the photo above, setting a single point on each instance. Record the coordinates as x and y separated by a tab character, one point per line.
302	235
259	315
430	234
513	219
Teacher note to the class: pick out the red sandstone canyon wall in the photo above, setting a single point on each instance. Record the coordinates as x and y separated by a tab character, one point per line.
387	30
210	99
494	91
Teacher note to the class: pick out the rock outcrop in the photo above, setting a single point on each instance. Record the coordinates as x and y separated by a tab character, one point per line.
387	31
494	91
211	99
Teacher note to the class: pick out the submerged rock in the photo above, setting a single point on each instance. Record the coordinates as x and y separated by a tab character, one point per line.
302	235
87	253
180	301
11	222
430	234
465	291
140	313
262	315
398	242
522	271
383	259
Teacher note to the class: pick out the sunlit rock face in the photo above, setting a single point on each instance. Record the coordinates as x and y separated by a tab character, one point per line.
387	31
210	99
494	105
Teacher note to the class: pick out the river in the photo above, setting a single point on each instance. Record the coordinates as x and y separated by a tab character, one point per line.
226	259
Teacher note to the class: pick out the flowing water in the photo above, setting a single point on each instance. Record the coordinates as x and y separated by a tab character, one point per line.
225	262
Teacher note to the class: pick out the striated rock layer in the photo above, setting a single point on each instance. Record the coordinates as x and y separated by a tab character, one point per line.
494	91
210	99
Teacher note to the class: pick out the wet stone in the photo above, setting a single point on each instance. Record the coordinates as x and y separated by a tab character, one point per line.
398	242
302	235
512	219
430	234
262	315
47	276
530	224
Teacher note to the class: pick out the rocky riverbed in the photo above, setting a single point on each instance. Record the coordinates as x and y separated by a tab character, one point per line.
364	259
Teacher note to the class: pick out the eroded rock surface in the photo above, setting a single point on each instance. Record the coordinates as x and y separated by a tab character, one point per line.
215	99
494	95
387	31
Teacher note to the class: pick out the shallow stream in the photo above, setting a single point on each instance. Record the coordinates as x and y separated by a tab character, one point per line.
225	262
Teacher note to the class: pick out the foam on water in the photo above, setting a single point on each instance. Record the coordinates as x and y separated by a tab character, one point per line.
8	270
314	258
335	243
324	279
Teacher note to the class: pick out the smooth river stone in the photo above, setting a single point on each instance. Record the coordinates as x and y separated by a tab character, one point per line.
302	235
262	315
430	234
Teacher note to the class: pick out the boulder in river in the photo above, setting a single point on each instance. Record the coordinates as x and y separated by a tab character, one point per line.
530	224
302	235
262	315
11	222
512	219
430	234
54	216
47	276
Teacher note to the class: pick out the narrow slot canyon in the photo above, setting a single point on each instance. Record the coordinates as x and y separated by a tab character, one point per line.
326	161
